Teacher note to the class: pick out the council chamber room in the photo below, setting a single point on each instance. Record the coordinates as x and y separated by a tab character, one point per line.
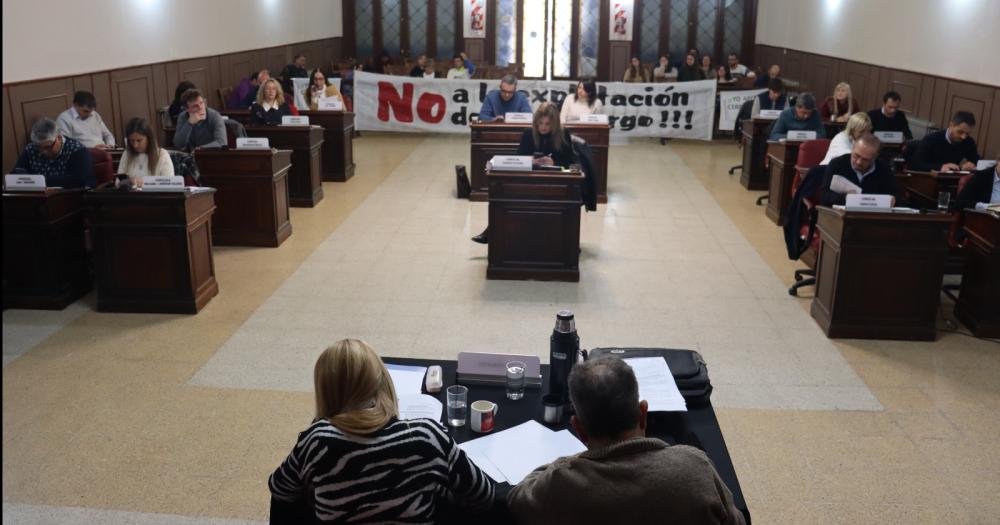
501	261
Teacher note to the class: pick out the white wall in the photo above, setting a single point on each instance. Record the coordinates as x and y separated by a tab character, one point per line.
951	38
52	38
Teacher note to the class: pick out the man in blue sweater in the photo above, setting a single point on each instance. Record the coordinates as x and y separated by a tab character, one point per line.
65	162
802	117
505	100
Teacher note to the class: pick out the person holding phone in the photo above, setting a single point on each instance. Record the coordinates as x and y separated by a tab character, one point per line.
143	155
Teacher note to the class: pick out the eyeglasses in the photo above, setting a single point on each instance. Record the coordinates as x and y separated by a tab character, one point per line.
510	92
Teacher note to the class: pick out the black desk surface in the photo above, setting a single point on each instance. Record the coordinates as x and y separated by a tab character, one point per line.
696	427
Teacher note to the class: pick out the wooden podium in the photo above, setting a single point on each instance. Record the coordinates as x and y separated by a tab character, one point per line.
978	304
253	195
781	174
923	186
45	263
535	225
499	138
153	250
878	275
338	143
753	176
305	184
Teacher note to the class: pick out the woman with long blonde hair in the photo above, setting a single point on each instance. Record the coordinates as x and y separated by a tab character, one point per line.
842	142
270	105
359	462
840	106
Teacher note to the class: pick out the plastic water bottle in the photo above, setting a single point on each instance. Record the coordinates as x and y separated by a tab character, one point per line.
564	347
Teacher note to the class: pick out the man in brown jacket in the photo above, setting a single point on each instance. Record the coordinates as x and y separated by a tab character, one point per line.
623	477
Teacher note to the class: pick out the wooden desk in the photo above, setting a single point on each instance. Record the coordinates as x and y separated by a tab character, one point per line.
498	138
305	185
252	203
338	143
45	263
753	176
924	186
878	275
782	157
535	225
978	305
832	128
153	250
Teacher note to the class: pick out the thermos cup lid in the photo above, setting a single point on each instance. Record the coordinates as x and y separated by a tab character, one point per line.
564	315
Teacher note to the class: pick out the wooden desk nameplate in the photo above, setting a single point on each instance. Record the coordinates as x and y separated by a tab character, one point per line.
252	203
535	225
499	138
753	176
153	250
782	157
45	262
305	181
978	305
878	275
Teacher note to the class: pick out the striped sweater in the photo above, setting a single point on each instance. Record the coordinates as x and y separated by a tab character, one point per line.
395	475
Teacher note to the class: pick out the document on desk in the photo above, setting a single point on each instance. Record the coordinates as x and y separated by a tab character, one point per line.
657	385
512	454
408	380
419	406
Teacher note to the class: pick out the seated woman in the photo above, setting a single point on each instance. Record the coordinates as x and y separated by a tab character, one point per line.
270	105
724	76
143	156
840	106
547	142
583	102
664	70
842	142
320	89
358	462
690	70
707	69
635	72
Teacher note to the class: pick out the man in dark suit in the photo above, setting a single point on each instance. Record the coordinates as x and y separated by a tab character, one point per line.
889	117
983	188
862	168
950	149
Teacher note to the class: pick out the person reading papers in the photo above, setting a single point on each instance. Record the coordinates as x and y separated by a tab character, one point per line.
623	477
82	122
65	162
950	149
802	117
858	172
505	100
359	463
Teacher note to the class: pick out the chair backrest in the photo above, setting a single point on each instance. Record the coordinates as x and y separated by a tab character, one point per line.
185	166
746	111
234	130
811	152
102	166
224	97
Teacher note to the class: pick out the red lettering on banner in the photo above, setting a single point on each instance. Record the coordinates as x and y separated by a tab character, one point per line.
426	105
401	105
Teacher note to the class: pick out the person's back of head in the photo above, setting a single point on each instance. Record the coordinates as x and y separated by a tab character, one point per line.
806	101
354	391
605	395
43	130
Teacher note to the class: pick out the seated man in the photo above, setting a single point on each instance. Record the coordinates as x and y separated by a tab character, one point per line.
862	168
623	477
297	69
773	73
889	117
199	126
950	149
802	117
505	100
82	122
773	98
463	67
245	93
65	162
738	70
982	189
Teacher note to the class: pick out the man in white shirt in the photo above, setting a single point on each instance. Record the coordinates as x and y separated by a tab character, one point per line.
83	123
738	70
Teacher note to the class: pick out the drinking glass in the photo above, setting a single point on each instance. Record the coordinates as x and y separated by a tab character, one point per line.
515	379
944	198
458	407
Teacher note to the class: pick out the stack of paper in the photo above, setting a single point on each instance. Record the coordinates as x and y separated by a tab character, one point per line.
408	380
419	406
509	456
656	384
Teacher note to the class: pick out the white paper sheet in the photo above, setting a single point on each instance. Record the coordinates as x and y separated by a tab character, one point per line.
656	384
983	164
517	451
419	406
408	380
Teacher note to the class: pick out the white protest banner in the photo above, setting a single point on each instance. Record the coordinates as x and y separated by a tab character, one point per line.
395	103
474	18
300	85
729	106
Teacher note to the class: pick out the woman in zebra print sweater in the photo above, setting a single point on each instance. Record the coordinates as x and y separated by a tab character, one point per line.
358	463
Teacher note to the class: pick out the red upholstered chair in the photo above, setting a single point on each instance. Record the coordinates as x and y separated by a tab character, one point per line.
811	153
102	166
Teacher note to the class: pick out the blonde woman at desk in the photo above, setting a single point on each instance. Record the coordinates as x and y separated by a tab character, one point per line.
358	462
143	156
320	89
583	102
841	143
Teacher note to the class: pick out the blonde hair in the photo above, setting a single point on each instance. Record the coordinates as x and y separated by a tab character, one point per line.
858	125
548	109
279	94
353	389
833	103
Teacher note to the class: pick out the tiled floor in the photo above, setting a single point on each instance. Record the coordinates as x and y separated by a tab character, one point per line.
179	419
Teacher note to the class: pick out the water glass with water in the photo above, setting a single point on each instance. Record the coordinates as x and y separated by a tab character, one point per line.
944	198
458	405
515	379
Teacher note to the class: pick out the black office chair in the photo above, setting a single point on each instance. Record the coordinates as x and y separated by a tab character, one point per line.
746	111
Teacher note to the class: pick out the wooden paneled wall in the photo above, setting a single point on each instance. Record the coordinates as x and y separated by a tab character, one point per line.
139	91
925	96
